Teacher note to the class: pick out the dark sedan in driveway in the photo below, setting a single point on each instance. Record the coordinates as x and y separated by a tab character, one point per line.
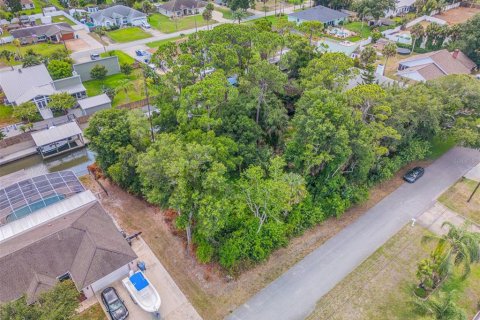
413	174
115	306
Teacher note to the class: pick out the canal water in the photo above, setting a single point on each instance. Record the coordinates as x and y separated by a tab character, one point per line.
76	161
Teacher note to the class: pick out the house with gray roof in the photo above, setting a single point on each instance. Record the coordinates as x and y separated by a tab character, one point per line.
180	8
327	16
35	84
118	15
50	32
72	237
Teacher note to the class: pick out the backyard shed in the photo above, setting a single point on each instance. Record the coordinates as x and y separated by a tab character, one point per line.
93	104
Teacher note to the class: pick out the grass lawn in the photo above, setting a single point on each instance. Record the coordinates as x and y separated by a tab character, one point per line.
273	19
381	287
440	145
128	34
356	26
6	117
134	92
155	44
122	56
455	198
166	25
95	312
228	14
62	19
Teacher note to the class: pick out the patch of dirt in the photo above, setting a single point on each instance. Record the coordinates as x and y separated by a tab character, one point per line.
457	15
211	292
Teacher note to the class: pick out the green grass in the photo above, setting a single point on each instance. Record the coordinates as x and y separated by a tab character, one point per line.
440	145
44	49
95	312
134	93
166	25
228	14
155	44
6	116
273	19
128	34
122	56
455	198
62	19
356	26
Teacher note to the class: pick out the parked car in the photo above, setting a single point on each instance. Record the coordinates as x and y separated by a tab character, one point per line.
141	53
414	174
94	56
146	25
115	306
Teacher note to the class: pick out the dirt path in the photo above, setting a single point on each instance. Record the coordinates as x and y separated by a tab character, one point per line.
212	294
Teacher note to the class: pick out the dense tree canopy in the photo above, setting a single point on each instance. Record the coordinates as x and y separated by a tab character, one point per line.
249	153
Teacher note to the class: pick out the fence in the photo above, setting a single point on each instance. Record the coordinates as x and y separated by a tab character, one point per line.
446	8
19	138
136	104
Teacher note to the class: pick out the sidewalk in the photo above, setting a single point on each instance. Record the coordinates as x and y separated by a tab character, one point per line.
433	218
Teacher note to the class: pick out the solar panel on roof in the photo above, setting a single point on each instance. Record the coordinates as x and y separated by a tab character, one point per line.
32	194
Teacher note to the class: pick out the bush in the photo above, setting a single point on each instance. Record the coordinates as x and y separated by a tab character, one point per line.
126	68
98	72
204	252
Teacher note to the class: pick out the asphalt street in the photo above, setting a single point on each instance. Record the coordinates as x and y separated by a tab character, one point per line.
294	294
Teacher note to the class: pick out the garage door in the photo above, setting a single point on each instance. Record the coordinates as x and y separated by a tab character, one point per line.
68	36
110	278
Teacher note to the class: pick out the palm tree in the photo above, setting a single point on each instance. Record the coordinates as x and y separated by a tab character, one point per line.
441	307
389	50
124	85
458	247
417	32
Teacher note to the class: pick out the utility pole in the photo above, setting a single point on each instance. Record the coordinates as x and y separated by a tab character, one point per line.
148	102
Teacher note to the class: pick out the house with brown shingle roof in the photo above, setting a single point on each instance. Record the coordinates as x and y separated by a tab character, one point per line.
433	65
65	235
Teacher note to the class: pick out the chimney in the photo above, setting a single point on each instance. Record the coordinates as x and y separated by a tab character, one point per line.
455	53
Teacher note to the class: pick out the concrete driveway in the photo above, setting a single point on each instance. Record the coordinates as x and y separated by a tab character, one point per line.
175	305
294	294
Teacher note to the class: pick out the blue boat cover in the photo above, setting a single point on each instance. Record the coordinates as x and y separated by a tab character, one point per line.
139	281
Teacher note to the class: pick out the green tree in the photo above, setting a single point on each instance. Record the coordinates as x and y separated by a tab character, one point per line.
14	5
458	247
273	193
417	33
239	15
26	111
236	5
441	307
330	71
98	72
59	69
311	29
368	56
368	74
8	56
126	68
3	135
62	102
375	8
469	38
30	61
388	51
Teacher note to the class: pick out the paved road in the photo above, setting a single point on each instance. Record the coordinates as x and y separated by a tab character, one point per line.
294	294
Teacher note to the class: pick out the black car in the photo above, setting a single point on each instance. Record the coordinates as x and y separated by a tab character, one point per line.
414	174
115	306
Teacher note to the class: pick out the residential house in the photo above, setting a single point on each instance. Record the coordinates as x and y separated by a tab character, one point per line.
53	229
118	15
35	84
401	7
327	16
435	64
180	8
56	32
26	4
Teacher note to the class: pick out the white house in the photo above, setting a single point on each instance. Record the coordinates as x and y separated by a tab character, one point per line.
180	8
435	64
52	229
401	7
35	84
118	15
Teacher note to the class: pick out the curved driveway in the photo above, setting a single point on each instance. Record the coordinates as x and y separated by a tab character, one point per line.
294	294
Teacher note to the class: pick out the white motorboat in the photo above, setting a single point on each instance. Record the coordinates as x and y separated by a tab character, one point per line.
142	292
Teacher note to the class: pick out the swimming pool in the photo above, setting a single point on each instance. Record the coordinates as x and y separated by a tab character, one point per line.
338	46
32	207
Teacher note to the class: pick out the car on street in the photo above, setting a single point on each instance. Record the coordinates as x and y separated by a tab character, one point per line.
94	56
115	306
414	174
